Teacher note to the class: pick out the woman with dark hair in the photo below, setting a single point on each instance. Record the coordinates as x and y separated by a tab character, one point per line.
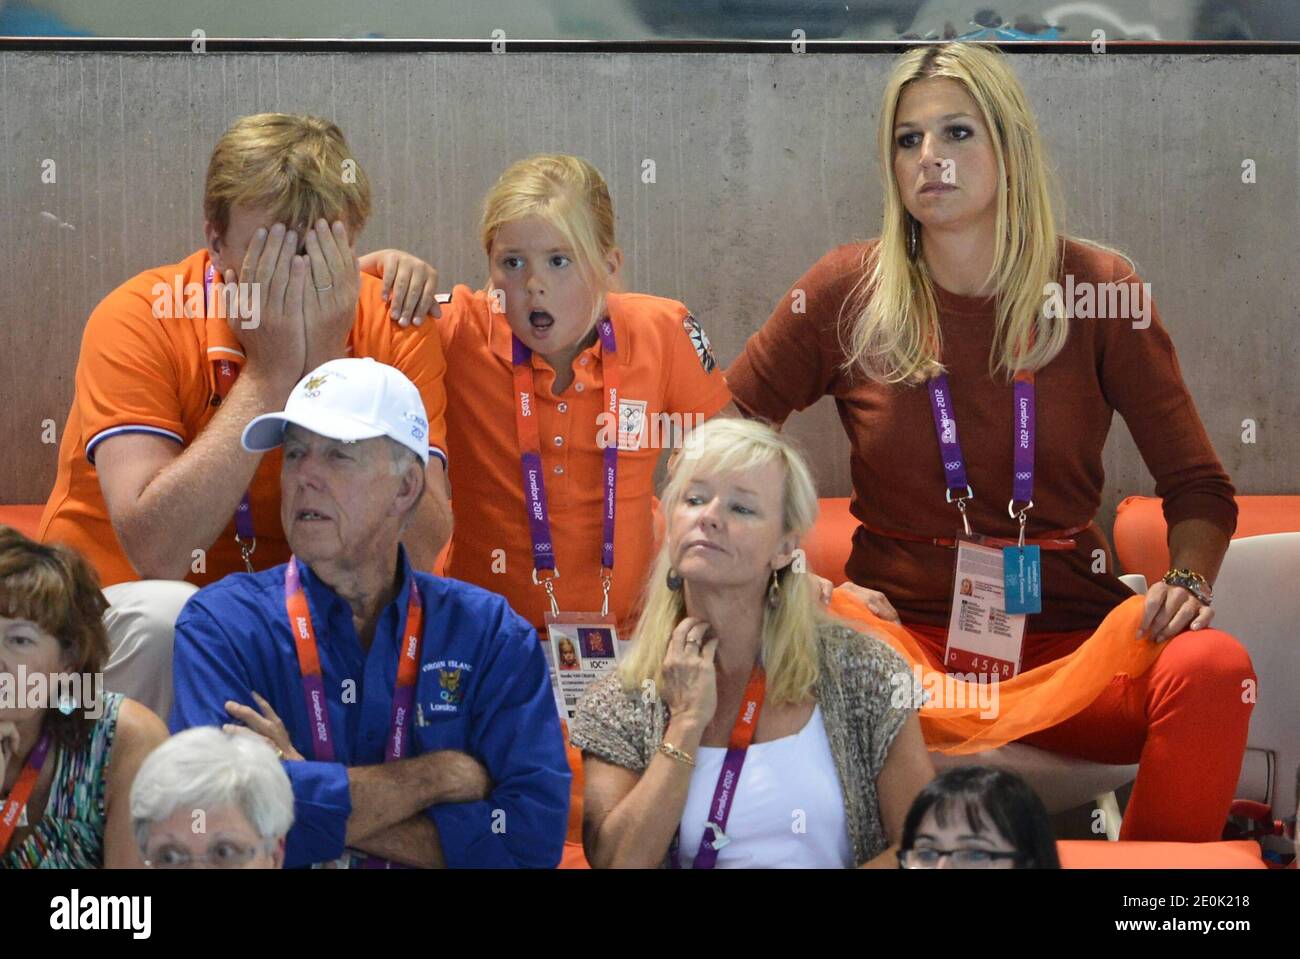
977	817
68	751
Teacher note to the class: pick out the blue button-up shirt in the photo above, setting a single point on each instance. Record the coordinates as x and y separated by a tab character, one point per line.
483	690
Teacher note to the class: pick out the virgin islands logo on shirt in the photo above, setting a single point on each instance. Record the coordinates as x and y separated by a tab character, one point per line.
452	678
449	680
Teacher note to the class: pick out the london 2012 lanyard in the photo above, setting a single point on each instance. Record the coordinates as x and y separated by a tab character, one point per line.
313	683
742	734
226	374
530	454
954	463
12	812
1022	565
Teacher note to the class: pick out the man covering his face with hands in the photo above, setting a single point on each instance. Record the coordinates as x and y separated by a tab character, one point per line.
153	486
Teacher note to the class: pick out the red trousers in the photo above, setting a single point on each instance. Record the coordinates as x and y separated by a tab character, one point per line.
1184	721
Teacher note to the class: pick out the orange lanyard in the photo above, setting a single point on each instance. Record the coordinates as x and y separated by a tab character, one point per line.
22	791
313	681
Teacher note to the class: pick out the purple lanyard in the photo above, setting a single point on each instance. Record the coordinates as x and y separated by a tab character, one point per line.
742	734
227	373
313	680
534	483
954	463
706	857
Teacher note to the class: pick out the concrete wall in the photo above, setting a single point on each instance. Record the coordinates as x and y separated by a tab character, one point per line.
763	163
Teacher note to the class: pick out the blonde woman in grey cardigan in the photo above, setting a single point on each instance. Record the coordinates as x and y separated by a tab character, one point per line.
733	650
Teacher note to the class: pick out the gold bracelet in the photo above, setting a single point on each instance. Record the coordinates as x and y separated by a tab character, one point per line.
1194	583
1188	574
668	749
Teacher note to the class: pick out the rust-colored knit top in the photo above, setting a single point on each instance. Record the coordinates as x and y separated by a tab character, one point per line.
1107	365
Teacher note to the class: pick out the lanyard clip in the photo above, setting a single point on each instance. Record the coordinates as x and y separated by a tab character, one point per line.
961	505
246	549
1021	517
550	590
720	838
605	581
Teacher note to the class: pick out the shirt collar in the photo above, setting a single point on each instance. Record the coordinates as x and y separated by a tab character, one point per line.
501	343
221	342
324	599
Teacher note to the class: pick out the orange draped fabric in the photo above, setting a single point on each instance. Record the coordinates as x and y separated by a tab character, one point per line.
958	721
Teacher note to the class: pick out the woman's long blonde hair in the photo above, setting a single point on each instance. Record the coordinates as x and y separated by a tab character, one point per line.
894	335
789	650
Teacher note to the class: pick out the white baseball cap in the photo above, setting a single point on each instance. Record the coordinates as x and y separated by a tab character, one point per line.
349	399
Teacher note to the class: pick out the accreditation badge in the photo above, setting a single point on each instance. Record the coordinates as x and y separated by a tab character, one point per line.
983	638
580	649
1022	575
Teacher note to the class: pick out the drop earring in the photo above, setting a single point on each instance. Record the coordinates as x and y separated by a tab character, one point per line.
674	581
774	591
913	237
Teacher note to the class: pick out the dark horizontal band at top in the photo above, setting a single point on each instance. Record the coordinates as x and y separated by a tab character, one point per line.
512	45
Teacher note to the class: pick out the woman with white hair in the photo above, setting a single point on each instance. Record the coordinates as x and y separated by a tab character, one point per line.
746	728
207	797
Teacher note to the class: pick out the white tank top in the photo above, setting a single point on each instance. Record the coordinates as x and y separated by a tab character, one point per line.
788	810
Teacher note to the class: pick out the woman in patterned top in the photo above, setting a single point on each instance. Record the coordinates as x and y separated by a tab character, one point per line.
746	728
67	756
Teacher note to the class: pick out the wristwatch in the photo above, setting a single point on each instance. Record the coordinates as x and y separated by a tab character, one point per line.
1194	583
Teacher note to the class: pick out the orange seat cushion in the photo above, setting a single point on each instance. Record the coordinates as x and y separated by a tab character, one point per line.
1141	536
24	518
830	541
1095	854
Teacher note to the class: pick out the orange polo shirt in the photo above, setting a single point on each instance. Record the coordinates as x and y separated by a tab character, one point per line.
666	367
139	373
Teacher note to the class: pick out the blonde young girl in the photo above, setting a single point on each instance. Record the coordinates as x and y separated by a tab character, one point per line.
536	361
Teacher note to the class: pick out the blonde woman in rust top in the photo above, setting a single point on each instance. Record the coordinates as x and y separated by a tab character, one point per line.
967	291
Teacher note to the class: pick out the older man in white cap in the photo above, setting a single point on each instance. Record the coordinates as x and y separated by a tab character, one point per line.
413	712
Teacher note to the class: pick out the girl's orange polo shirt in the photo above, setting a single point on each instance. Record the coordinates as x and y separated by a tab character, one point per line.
668	376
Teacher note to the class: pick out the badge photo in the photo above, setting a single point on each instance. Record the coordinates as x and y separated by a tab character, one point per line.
581	647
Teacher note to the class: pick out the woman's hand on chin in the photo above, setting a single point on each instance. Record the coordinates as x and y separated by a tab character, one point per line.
689	680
